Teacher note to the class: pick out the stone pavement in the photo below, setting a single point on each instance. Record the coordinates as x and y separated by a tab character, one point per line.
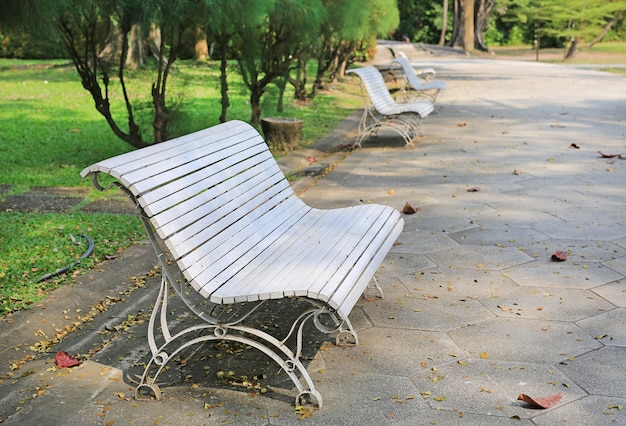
475	312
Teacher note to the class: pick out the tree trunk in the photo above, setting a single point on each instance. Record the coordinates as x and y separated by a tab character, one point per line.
444	23
201	47
225	101
573	49
457	27
482	12
468	25
136	51
607	28
255	103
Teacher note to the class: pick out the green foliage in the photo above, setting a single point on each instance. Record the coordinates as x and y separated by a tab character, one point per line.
420	21
556	22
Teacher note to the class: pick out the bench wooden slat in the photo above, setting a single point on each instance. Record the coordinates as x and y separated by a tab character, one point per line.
291	251
203	265
246	248
237	191
135	160
153	176
168	194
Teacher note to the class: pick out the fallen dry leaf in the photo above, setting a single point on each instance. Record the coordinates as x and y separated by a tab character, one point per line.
473	189
65	360
573	145
620	156
545	402
559	256
409	209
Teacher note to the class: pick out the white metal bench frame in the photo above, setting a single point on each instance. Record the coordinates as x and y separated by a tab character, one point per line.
229	230
382	111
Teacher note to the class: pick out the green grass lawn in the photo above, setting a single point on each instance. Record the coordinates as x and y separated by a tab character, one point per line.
50	131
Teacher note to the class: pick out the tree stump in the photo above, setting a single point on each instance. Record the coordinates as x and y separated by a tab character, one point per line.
282	134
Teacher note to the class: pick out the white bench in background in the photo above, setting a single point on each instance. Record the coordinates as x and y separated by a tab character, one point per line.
414	88
381	110
227	226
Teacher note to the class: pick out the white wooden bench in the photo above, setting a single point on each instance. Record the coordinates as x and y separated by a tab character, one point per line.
226	225
414	88
425	74
382	111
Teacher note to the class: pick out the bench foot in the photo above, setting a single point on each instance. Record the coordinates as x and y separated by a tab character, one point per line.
310	397
144	391
406	126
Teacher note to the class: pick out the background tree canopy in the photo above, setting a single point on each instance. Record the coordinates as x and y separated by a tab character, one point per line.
269	42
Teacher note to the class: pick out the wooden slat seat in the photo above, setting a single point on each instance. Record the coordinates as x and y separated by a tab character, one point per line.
216	204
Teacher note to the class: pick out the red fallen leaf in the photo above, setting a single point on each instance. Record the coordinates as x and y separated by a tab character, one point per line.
311	159
111	256
65	360
474	189
559	256
573	145
409	209
546	402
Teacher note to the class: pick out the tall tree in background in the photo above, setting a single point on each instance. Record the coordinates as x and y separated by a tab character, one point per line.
226	26
266	51
87	26
580	20
444	23
475	13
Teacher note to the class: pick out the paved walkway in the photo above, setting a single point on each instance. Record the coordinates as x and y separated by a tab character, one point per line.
475	313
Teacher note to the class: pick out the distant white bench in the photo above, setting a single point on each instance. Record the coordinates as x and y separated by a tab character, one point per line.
381	110
415	88
226	225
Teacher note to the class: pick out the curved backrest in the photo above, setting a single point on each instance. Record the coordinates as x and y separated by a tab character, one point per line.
374	84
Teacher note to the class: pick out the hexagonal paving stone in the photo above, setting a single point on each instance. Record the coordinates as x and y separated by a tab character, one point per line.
485	386
524	340
614	292
459	418
502	237
576	250
394	352
609	327
546	303
599	372
617	264
399	264
438	219
418	241
419	312
457	282
478	257
364	398
592	410
546	273
591	231
516	218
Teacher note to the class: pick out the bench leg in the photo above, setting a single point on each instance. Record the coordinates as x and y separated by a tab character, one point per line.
405	125
171	345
